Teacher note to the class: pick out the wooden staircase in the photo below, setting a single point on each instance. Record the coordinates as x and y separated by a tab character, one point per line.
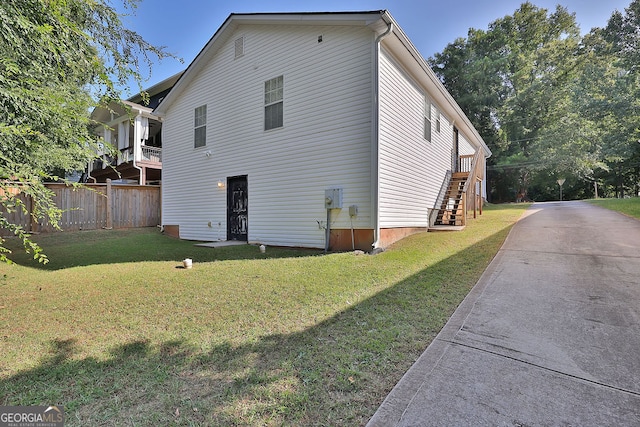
452	208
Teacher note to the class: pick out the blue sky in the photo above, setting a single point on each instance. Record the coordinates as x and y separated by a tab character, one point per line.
185	26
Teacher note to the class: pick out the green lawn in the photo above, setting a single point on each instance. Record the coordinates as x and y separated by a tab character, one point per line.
630	207
115	332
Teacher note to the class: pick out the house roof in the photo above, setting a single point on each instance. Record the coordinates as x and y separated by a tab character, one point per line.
378	21
117	109
157	92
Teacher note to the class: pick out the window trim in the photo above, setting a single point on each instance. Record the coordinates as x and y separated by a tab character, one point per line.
269	103
198	126
427	125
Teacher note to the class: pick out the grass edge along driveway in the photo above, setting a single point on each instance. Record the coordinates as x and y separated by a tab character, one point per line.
113	331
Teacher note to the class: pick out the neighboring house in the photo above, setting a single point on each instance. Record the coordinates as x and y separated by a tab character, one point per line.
284	121
132	128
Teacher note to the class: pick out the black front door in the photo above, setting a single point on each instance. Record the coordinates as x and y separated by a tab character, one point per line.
237	208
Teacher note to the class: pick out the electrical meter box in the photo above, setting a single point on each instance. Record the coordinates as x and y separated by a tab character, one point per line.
333	198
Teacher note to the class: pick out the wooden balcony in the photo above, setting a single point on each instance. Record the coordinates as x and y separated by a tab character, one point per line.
152	156
122	166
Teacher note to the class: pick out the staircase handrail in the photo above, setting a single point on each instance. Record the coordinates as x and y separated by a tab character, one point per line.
465	163
472	178
472	172
443	190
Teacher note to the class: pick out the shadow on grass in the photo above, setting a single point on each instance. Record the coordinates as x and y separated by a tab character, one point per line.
101	247
335	373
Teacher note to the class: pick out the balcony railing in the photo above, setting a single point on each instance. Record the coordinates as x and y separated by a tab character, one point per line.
151	154
465	163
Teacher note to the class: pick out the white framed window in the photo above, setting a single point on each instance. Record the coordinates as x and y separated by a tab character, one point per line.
427	119
200	127
273	103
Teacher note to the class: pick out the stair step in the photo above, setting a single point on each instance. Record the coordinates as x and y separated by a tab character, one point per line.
451	213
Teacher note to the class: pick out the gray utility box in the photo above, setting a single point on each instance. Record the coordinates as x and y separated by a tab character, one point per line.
333	198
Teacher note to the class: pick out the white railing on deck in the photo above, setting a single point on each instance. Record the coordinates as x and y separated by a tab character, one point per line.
465	162
151	154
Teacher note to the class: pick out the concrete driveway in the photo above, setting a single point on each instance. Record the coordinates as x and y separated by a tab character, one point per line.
549	336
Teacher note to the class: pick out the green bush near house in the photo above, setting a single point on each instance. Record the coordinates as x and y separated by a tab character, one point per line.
117	333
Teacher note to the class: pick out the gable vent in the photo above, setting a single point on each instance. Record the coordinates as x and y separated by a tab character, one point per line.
239	47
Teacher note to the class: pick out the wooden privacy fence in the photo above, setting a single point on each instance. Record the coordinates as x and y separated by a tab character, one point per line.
95	206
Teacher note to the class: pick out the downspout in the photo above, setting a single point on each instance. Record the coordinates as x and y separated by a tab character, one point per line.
161	119
484	179
375	164
137	141
135	165
89	166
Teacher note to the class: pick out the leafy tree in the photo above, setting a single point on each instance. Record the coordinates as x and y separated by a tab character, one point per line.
622	99
520	79
540	62
58	60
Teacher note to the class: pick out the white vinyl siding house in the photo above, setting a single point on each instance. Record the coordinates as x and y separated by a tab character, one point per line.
412	167
324	142
465	146
292	110
403	150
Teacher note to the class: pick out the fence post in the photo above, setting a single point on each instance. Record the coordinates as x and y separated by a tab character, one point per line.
109	220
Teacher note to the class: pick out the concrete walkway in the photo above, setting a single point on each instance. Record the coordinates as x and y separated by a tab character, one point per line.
549	336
